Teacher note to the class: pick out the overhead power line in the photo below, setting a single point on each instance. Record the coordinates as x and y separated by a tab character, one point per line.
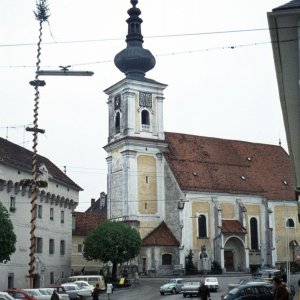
229	47
150	36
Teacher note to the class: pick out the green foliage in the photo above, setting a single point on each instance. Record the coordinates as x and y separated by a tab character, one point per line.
189	264
112	241
42	11
7	236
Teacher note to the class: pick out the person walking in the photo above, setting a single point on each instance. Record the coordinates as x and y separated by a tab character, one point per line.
280	292
203	291
96	292
54	295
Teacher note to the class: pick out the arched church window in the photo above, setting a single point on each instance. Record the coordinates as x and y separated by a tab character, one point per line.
117	122
166	259
254	233
290	223
202	229
145	117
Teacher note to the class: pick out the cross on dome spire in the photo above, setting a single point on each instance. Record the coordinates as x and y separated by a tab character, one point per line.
134	61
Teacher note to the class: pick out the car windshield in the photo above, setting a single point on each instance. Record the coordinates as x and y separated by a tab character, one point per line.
172	281
233	291
34	292
210	279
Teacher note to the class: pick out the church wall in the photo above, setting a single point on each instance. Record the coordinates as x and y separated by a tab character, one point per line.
228	211
172	197
147	184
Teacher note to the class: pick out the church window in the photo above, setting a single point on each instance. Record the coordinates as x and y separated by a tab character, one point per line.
166	259
202	228
290	223
145	117
117	122
146	206
147	179
254	233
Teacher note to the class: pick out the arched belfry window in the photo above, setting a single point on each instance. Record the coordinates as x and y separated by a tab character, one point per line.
254	233
145	117
117	122
290	223
202	228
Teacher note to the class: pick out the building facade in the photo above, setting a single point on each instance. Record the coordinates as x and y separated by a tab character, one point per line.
53	233
230	202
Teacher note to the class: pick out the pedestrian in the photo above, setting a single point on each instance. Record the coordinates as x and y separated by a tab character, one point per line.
109	289
54	295
96	292
203	291
280	292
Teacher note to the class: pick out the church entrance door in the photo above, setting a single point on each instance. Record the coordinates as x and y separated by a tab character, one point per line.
229	265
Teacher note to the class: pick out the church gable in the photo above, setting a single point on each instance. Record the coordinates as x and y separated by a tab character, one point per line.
207	164
160	236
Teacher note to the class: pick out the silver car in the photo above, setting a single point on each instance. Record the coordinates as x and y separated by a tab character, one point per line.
173	286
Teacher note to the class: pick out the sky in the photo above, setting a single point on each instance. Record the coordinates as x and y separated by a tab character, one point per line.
215	57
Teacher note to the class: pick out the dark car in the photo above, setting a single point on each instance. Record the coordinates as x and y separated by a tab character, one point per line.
250	291
20	294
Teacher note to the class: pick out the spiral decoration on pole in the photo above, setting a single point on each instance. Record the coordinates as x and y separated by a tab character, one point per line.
41	15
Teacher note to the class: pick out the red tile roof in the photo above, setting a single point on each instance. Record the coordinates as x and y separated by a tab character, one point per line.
86	222
208	164
160	236
19	157
232	226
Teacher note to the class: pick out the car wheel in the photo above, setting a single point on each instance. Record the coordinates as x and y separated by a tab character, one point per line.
173	291
162	293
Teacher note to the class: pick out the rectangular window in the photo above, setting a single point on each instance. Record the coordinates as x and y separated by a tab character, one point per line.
51	213
62	247
40	211
51	277
38	245
51	246
12	207
10	281
62	217
79	248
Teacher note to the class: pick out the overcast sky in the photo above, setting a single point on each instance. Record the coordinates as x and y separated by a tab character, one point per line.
219	85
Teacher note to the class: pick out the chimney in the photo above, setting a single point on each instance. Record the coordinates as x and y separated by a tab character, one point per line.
93	202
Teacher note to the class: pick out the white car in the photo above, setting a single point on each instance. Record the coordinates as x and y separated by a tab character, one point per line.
49	291
37	294
6	296
84	285
75	291
212	283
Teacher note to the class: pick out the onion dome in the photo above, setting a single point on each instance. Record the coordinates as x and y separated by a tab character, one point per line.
134	61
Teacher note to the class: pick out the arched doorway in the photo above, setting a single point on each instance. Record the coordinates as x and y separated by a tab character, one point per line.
234	255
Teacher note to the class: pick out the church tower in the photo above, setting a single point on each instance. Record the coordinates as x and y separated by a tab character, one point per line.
136	135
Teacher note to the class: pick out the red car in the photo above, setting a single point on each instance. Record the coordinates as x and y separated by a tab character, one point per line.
20	294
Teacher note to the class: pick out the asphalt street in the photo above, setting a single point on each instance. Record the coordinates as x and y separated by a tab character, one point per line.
148	288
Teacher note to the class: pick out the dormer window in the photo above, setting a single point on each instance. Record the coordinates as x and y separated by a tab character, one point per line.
117	122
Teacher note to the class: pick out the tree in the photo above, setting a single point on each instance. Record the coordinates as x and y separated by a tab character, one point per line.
112	241
189	264
7	236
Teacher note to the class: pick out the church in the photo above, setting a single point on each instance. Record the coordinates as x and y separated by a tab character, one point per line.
231	203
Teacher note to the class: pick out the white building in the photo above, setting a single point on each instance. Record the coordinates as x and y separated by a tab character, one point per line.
53	233
231	202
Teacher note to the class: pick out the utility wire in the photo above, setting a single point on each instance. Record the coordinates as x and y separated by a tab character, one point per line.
230	47
151	36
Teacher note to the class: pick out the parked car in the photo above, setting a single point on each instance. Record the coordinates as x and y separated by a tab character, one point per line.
234	285
173	286
75	292
267	274
250	291
6	296
91	279
190	288
37	294
49	291
84	285
212	283
62	293
20	294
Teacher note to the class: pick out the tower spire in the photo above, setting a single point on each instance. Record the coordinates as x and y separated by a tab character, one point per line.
134	61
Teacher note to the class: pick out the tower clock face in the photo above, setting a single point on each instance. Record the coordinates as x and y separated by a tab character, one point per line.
117	101
145	99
